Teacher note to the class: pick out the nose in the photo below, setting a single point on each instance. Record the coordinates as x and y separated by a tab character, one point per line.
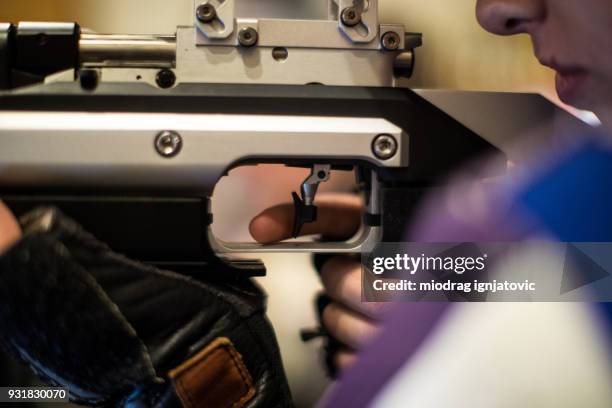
508	17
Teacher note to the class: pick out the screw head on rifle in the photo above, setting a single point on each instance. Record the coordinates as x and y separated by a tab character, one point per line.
89	79
165	78
391	41
206	13
384	147
247	37
168	143
350	17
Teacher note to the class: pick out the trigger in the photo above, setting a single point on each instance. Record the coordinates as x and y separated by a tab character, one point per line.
302	214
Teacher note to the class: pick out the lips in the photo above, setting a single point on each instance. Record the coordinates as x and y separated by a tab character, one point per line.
569	80
569	85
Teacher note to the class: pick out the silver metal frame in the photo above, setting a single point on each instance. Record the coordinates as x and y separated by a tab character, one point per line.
346	66
223	25
321	51
367	30
365	241
81	150
77	149
314	51
226	25
311	49
320	34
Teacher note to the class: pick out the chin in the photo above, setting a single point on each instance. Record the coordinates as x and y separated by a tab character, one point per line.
581	94
575	101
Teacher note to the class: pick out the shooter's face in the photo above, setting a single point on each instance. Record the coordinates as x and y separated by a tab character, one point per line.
573	37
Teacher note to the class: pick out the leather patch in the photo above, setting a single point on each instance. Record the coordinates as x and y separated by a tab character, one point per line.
215	377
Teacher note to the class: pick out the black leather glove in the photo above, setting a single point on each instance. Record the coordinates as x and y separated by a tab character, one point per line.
117	332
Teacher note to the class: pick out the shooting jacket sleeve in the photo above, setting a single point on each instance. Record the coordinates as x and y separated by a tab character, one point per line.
117	332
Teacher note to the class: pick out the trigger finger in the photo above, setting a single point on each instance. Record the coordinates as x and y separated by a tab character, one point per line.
339	217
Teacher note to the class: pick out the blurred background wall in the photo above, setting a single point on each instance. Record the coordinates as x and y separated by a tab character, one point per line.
457	54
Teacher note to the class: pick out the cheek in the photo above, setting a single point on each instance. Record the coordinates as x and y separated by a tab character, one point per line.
606	70
578	28
601	89
598	59
589	27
